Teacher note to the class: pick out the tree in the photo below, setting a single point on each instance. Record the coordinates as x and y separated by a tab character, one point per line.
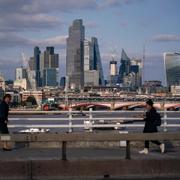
31	100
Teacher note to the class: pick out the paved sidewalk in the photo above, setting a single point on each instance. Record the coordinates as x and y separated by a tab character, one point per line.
26	153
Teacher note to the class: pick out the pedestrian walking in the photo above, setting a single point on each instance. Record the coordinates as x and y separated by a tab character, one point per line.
152	120
4	111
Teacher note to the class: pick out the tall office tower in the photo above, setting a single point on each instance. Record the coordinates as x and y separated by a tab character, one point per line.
63	82
113	76
31	64
88	55
75	55
49	77
172	68
21	73
47	57
91	77
97	60
136	67
49	67
124	68
37	53
113	68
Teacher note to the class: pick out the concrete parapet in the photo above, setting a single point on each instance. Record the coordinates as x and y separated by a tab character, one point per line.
44	169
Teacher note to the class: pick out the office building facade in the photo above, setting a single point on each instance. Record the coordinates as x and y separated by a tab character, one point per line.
124	68
172	69
43	68
91	78
37	53
21	73
97	60
88	56
113	76
49	77
75	55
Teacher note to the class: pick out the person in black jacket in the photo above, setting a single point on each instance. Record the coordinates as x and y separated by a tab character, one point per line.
150	126
4	110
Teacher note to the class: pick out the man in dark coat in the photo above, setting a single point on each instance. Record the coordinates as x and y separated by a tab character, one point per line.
150	126
4	110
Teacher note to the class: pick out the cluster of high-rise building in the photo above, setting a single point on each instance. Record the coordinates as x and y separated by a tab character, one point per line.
41	70
83	61
84	66
129	74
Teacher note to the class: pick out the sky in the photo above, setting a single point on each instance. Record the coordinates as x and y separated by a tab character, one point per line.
128	24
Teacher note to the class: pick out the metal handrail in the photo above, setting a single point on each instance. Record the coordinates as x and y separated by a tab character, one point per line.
94	112
64	138
91	124
84	126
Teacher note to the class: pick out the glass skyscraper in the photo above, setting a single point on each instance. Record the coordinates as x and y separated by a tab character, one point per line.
88	56
37	53
43	68
124	68
75	55
172	68
97	61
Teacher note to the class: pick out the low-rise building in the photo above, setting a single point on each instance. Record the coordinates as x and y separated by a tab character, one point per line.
91	78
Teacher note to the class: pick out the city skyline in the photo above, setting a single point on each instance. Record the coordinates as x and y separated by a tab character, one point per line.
117	24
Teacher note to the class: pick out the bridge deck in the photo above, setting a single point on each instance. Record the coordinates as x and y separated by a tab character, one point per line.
26	163
26	153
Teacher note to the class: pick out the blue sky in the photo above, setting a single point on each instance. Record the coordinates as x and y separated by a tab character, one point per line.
117	24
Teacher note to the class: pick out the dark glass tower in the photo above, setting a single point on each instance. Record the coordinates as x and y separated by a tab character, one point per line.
37	53
75	55
97	60
125	66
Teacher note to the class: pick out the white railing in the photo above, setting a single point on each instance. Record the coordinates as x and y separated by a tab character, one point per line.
88	120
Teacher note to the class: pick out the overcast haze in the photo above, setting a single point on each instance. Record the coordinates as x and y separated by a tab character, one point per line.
117	24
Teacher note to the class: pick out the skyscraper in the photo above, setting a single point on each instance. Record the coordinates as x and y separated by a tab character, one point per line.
97	60
21	73
75	55
172	68
43	68
113	68
49	77
124	68
88	55
49	67
113	76
31	64
136	68
37	53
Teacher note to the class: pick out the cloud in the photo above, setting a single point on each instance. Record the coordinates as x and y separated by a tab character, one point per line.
166	38
124	24
44	6
15	40
20	15
58	41
19	22
12	40
117	3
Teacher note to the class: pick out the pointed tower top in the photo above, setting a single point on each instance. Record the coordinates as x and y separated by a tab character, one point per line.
124	56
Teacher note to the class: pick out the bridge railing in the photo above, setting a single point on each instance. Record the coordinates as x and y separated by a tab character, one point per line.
64	138
89	120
